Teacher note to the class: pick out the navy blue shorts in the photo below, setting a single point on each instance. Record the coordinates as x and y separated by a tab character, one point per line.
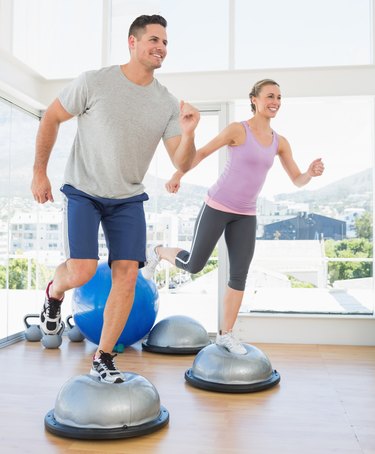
123	222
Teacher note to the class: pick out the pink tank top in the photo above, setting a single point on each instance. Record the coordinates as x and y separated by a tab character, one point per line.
238	187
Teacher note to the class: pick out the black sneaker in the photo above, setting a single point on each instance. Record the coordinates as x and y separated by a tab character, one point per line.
104	368
50	317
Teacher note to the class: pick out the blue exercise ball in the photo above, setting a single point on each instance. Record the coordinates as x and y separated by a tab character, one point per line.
88	304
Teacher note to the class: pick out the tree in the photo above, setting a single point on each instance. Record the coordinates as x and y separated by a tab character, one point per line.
345	249
363	226
3	277
22	274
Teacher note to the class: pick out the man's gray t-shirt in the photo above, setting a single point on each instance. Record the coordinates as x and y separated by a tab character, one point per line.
119	127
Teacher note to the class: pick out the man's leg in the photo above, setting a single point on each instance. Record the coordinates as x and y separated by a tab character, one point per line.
124	226
81	223
116	313
119	303
70	274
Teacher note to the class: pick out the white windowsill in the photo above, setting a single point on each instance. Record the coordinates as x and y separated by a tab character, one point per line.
306	328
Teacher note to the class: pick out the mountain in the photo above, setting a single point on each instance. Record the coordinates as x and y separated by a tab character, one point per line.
191	195
354	187
355	190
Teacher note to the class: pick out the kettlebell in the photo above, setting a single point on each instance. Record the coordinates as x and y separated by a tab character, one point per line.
74	333
53	340
33	333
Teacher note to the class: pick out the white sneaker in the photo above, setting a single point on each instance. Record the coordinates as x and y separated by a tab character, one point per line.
229	342
50	317
152	261
104	367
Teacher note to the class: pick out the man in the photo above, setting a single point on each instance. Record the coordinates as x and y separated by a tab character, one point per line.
122	113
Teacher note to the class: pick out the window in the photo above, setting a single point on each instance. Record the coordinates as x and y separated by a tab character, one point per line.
270	34
203	48
291	33
26	266
227	34
17	137
170	221
46	35
317	240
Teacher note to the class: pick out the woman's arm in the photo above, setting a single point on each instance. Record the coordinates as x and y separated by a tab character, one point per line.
315	169
231	135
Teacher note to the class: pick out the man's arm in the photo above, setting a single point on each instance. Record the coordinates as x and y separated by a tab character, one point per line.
181	149
45	140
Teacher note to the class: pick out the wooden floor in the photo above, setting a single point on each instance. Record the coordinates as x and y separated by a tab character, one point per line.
324	403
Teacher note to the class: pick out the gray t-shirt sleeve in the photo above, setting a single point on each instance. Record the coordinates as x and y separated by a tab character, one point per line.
74	97
173	128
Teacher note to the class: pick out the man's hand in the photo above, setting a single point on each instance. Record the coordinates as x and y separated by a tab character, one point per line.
41	189
189	117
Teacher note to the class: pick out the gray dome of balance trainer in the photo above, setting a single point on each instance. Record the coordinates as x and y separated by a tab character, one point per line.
89	409
177	334
216	369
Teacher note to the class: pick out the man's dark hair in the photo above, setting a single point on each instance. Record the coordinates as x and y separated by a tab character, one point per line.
138	26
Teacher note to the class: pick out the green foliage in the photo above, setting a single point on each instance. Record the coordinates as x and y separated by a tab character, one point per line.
3	277
363	226
296	283
211	265
356	247
350	248
19	274
23	274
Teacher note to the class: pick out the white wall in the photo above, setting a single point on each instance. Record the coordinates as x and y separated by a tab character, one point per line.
18	81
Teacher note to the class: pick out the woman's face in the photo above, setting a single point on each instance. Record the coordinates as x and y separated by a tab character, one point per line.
268	101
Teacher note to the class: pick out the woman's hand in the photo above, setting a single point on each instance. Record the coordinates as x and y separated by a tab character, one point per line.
173	185
316	168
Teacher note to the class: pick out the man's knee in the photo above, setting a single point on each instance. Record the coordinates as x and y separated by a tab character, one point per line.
125	272
80	271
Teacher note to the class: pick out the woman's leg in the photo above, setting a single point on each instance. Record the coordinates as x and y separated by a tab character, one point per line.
232	303
209	227
240	238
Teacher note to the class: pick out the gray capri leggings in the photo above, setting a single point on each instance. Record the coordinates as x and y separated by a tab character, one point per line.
240	234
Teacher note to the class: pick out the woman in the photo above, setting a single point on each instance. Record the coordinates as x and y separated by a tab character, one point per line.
230	204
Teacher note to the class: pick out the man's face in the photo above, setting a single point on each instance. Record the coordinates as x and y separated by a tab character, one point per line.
150	48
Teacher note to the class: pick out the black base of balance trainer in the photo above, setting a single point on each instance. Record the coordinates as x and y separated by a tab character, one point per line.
63	430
